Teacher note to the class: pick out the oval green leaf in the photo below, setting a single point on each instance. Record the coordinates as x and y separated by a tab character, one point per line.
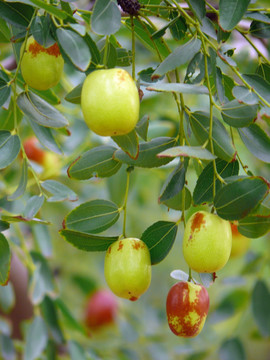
179	88
60	192
92	217
9	148
232	349
243	95
175	202
256	141
238	115
231	12
5	259
106	17
236	200
260	307
160	238
254	226
95	162
22	184
87	242
129	143
174	183
37	334
196	152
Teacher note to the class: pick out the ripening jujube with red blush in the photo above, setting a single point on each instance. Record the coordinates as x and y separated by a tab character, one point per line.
127	268
41	67
207	242
240	243
101	309
33	150
187	308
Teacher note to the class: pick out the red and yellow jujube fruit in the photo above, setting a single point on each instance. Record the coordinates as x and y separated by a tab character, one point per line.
207	242
127	268
240	243
101	309
110	102
187	307
41	67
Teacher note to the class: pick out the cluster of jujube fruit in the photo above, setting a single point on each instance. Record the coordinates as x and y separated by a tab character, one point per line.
110	105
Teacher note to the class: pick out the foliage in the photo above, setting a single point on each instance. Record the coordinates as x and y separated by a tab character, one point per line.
202	141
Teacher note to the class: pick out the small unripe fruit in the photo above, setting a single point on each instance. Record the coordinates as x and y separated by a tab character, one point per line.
41	67
127	268
110	102
101	309
207	242
187	307
240	243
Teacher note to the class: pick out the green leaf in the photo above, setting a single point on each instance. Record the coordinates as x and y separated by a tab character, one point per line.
17	14
143	32
259	84
5	91
33	206
208	28
40	111
3	225
178	27
111	54
159	239
42	279
20	218
174	183
39	29
148	153
231	12
260	16
5	259
74	96
92	216
36	339
76	351
142	127
238	115
260	307
254	226
181	55
178	88
232	349
7	298
106	17
93	49
243	95
87	242
259	30
203	191
124	57
235	200
69	318
129	143
198	6
200	124
43	239
9	148
52	9
22	184
50	315
256	141
7	347
5	34
75	48
95	162
45	136
59	191
176	201
196	152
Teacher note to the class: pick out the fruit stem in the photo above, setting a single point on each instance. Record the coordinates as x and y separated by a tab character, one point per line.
189	274
133	47
129	169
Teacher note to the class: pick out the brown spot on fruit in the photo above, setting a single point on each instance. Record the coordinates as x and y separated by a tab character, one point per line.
120	246
133	298
197	221
109	250
137	245
35	48
234	229
122	75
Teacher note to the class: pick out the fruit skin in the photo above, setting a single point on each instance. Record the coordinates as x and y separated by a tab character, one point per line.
240	243
207	242
33	151
187	307
41	67
127	268
110	102
101	309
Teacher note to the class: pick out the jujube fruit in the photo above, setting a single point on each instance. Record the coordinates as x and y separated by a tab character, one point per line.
127	268
187	307
41	67
101	309
33	151
110	102
207	242
240	243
